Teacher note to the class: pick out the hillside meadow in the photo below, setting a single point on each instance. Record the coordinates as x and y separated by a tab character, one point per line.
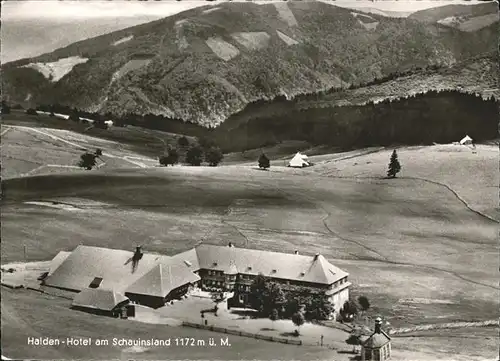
471	173
33	145
398	239
410	244
30	314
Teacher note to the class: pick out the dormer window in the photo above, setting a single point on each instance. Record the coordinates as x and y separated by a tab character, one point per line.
96	282
249	268
302	274
273	271
214	264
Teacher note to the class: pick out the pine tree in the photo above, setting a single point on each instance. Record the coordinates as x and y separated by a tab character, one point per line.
394	165
74	116
171	158
194	156
264	162
214	156
87	161
364	303
183	142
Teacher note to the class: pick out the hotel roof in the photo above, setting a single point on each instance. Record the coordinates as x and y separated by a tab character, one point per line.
158	274
163	279
99	299
315	269
113	266
57	260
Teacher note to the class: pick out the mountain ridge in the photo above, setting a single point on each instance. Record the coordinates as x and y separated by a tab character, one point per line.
475	75
204	64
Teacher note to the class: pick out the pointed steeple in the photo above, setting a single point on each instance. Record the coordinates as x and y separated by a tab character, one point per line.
378	325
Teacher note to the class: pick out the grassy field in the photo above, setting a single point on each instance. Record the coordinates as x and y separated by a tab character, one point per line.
410	244
363	225
472	175
22	317
41	144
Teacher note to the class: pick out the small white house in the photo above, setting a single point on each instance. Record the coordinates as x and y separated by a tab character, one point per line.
299	161
466	140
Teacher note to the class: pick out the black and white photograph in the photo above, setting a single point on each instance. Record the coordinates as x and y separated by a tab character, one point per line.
250	180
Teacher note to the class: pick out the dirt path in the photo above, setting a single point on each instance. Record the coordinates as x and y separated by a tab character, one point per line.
165	144
51	136
456	195
383	258
442	326
128	159
31	172
338	235
357	155
457	275
386	259
446	186
5	131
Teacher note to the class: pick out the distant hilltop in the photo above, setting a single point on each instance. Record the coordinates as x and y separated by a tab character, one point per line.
205	64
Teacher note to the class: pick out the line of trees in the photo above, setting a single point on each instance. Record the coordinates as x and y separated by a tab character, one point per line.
150	121
352	308
436	116
271	301
195	155
171	158
163	123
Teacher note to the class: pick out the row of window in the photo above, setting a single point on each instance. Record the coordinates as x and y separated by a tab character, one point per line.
215	273
244	288
251	277
340	282
214	283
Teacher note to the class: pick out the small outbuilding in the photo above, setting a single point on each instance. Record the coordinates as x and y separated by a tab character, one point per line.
466	140
100	302
164	283
299	161
376	347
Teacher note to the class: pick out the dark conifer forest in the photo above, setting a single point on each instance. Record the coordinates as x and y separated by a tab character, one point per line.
433	117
